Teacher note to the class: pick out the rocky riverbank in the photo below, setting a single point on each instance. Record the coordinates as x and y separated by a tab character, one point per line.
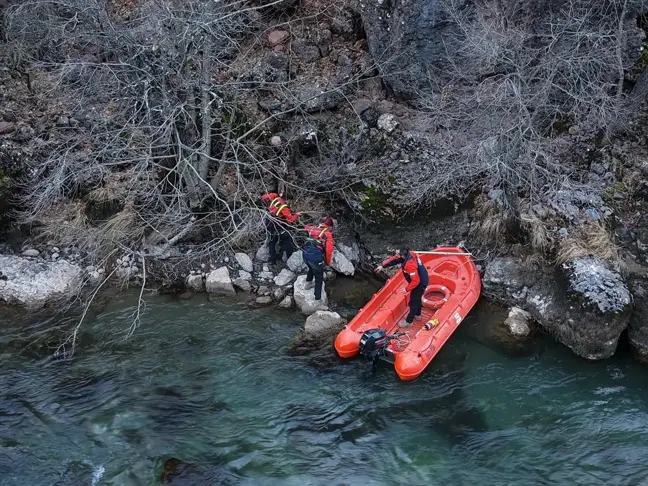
585	303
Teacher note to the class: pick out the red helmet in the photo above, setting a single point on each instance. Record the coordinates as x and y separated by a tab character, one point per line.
327	221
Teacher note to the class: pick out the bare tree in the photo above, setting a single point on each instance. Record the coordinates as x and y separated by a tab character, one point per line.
523	75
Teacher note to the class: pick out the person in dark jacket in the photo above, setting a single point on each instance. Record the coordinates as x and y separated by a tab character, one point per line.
281	217
417	281
318	252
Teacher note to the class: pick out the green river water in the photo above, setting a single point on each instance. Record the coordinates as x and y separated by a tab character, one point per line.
210	384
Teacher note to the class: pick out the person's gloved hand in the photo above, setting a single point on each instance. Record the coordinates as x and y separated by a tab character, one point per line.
379	268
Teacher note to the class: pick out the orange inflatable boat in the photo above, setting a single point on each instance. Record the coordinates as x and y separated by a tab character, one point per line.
452	292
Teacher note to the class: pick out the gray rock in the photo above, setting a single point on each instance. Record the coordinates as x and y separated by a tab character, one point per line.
285	277
219	282
341	264
277	37
243	284
243	275
55	256
271	105
296	262
244	261
322	322
387	122
585	304
305	51
266	275
264	290
361	105
314	100
195	283
34	284
305	298
352	253
263	253
518	322
279	293
31	253
286	303
264	300
6	127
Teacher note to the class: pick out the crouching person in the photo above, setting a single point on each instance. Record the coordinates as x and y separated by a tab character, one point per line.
318	252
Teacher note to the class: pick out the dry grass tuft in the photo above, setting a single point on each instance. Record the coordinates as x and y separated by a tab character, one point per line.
492	226
540	235
591	239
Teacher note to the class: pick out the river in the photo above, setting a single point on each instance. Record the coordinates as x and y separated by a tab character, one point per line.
210	384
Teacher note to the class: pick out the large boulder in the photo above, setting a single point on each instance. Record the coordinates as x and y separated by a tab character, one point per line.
584	304
352	253
285	277
305	298
296	262
341	264
244	261
219	282
34	284
322	322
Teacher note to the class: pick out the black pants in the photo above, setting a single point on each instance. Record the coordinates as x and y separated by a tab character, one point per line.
415	303
279	236
316	270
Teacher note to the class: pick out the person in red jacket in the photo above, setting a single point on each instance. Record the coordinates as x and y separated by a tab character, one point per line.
318	253
417	281
278	226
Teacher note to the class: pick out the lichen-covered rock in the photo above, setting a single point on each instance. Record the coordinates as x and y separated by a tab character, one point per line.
196	283
219	282
341	264
585	304
305	297
507	282
34	284
285	277
244	261
323	321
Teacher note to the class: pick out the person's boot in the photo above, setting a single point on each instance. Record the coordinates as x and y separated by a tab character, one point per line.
309	285
405	324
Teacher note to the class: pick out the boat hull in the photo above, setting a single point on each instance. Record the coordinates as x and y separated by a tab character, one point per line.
453	290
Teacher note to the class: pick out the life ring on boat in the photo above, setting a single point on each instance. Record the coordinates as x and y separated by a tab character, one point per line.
435	296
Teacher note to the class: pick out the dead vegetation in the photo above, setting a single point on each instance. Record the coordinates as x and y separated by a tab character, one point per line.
588	239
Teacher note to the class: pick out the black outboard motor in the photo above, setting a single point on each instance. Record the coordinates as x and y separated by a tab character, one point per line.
373	345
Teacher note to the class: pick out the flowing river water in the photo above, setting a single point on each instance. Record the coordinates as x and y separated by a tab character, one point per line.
210	384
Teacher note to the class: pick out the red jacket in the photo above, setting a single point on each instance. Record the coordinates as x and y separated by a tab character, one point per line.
277	207
324	238
410	268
